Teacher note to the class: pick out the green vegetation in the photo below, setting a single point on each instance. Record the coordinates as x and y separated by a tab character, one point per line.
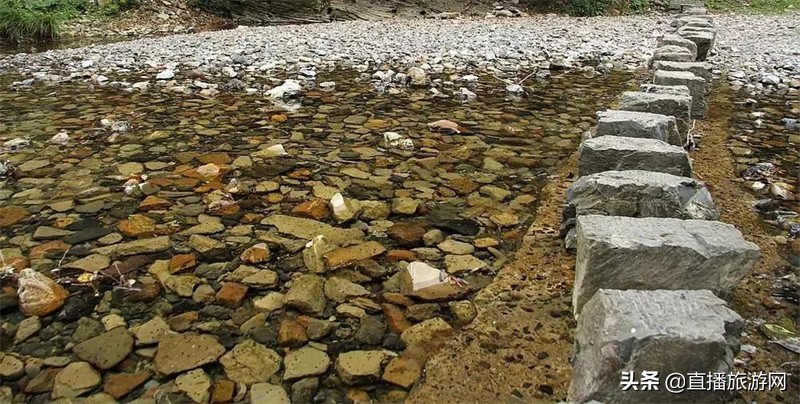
219	7
588	8
42	20
755	6
110	8
22	20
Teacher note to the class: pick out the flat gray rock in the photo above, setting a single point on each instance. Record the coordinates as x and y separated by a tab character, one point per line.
617	252
638	124
605	153
672	53
704	38
679	106
699	69
637	193
693	20
698	87
678	40
673	90
667	331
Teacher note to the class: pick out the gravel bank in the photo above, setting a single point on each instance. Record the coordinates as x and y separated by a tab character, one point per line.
505	43
760	50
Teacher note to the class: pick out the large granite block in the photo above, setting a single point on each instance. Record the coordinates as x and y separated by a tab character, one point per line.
673	90
606	153
679	106
664	331
637	193
678	40
704	38
696	20
617	252
638	124
671	53
697	87
699	69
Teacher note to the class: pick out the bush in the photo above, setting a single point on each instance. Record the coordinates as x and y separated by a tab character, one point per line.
219	7
589	8
111	8
638	6
25	20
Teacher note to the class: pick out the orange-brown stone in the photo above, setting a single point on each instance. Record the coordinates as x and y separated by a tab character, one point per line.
405	234
301	174
38	294
395	318
153	202
50	247
231	294
291	333
279	118
401	255
137	226
215	158
224	210
63	222
398	299
316	209
223	391
12	215
250	218
121	384
180	262
341	257
209	186
255	254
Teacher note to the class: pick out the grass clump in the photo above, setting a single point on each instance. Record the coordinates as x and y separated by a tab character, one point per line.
755	6
35	20
112	8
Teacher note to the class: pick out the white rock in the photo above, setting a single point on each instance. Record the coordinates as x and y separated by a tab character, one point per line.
165	75
60	138
289	88
424	275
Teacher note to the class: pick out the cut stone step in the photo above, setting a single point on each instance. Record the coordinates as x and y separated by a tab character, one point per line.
695	19
672	90
699	69
697	87
679	106
621	153
678	40
671	53
664	331
638	124
637	193
617	252
704	38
